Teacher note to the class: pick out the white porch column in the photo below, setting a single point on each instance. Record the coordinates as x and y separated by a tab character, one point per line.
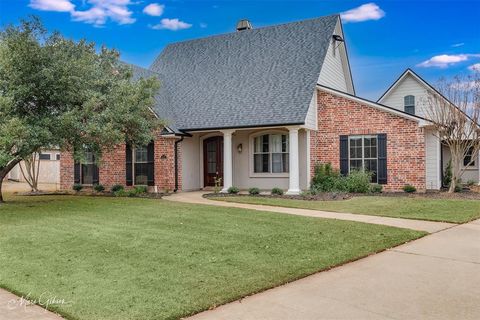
227	160
294	180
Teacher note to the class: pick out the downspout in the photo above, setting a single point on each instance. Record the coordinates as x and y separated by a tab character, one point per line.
176	163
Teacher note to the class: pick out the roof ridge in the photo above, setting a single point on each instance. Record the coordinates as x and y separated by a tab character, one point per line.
255	29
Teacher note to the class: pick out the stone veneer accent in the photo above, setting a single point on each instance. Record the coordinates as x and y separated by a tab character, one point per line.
405	139
112	166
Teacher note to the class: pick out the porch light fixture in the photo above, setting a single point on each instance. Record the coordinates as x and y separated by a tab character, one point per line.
240	148
338	38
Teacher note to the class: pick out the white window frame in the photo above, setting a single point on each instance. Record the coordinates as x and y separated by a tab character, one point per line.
251	156
409	105
134	161
473	166
363	152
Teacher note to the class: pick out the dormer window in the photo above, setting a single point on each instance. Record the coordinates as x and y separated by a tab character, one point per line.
409	104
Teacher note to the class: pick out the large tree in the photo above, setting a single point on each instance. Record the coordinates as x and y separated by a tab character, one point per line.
455	113
59	92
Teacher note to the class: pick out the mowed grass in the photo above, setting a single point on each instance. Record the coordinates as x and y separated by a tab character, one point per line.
445	210
124	258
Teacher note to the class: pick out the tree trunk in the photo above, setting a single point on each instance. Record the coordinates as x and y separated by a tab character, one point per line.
3	173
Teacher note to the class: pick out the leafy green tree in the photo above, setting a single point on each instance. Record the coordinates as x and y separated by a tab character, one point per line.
58	92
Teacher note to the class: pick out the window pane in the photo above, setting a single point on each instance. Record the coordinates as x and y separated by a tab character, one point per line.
371	166
279	162
141	155
355	165
276	143
87	173
356	148
141	173
265	143
89	157
261	162
284	143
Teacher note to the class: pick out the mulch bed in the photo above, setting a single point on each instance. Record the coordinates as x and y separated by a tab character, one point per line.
329	196
89	193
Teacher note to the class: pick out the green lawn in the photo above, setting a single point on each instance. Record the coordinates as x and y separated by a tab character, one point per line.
124	258
446	210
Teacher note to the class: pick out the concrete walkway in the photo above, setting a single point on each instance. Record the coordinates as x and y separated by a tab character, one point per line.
17	308
436	277
429	226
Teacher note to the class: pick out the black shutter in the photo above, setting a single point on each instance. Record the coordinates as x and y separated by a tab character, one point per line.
128	165
76	172
382	158
151	164
95	172
344	155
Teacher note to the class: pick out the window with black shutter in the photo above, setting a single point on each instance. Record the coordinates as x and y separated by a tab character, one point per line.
364	153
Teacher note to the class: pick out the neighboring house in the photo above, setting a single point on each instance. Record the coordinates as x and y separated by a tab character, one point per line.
49	172
409	93
259	108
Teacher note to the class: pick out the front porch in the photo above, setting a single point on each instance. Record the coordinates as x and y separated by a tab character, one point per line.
256	157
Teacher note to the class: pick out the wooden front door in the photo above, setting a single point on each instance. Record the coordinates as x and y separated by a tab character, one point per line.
212	160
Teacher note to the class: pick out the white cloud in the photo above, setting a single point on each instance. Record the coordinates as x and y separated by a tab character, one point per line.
203	25
171	24
102	10
154	9
445	60
368	11
52	5
474	67
456	45
99	12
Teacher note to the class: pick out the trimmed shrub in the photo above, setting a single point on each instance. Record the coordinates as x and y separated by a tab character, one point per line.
77	187
99	188
117	187
120	193
233	190
376	188
132	193
408	188
326	179
254	191
358	182
277	191
141	189
447	175
458	188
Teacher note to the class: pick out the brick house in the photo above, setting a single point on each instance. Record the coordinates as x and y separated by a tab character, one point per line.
259	108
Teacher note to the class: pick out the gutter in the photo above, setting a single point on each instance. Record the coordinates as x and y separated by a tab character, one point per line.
176	162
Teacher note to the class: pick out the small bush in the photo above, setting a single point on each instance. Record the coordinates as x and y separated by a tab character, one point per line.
141	189
233	190
471	182
117	187
120	193
458	188
326	179
254	191
277	191
99	188
132	193
376	188
358	182
408	188
447	175
77	187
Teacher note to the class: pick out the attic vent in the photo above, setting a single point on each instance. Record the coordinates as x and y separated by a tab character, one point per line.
244	25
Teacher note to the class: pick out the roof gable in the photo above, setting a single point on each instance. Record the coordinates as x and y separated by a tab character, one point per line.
255	77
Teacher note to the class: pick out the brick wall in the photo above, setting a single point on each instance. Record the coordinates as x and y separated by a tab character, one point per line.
112	166
405	139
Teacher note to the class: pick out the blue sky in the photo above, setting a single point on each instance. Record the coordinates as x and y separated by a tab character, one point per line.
435	38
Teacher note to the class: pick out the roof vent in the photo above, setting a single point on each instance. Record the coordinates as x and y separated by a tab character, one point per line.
244	25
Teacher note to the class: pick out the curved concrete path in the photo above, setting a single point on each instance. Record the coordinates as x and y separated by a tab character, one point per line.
428	226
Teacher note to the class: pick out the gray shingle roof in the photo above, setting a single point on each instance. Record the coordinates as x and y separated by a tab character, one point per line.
256	77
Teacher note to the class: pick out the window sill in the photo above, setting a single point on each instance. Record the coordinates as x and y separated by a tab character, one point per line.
269	175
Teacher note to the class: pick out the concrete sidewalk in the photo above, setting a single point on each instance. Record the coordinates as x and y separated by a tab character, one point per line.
17	308
429	226
436	277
